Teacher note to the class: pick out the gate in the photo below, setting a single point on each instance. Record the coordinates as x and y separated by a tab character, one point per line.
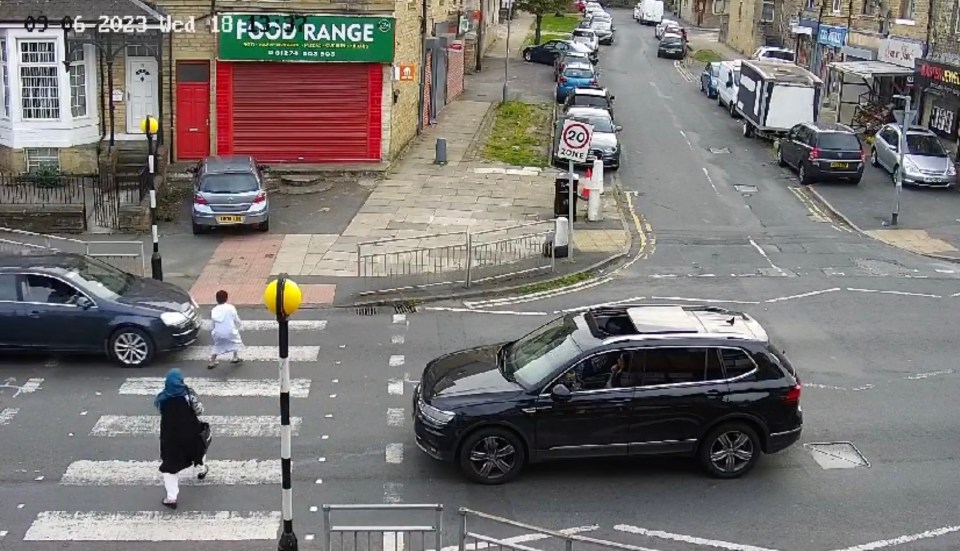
106	193
438	76
367	530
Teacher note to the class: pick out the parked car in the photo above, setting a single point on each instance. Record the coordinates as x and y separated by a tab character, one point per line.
925	161
673	28
599	98
628	380
575	75
604	29
822	151
71	303
587	37
708	79
672	46
229	191
604	144
659	29
570	56
771	53
548	52
728	83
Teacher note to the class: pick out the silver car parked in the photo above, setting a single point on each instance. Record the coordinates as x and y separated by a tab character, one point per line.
925	161
229	191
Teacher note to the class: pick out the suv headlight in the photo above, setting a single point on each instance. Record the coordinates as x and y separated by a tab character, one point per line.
436	415
172	319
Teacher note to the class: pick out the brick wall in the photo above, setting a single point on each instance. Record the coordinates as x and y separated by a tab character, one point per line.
427	89
742	32
43	218
454	74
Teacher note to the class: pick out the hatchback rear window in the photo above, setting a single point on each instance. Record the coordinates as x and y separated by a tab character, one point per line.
590	101
839	141
578	73
671	41
229	183
585	34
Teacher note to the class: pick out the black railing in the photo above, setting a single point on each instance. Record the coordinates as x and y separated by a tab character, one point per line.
45	189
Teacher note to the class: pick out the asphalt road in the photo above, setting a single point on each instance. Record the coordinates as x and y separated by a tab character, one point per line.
871	329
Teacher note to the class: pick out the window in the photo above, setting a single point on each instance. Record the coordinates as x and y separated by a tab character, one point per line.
4	80
768	12
39	86
665	366
735	362
239	182
607	370
812	5
78	82
44	289
536	356
837	6
908	9
101	279
870	7
956	19
141	50
42	157
8	288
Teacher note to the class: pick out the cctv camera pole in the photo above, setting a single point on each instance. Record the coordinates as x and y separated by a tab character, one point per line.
506	59
904	125
156	262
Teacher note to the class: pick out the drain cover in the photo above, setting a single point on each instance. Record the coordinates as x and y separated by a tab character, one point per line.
720	150
837	455
743	188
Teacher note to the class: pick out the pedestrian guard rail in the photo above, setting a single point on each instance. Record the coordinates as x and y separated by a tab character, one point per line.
455	258
421	529
125	255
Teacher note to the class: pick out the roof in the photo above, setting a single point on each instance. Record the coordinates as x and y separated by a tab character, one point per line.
783	72
16	11
870	69
227	163
578	65
688	320
598	92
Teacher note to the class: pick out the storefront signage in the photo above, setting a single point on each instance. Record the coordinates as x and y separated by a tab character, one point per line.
900	52
831	35
943	121
406	73
938	77
311	38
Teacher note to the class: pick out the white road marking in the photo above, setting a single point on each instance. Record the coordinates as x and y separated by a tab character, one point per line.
395	417
766	257
392	492
688	539
7	415
804	295
153	526
903	539
254	353
394	453
266	325
867	386
397	360
399	318
3	533
227	426
525	538
397	339
940	271
149	386
955	295
706	300
393	541
472	311
145	473
686	139
395	387
915	377
709	179
898	293
31	386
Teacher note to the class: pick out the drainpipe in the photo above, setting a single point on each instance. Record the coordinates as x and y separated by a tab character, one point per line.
103	98
421	104
480	25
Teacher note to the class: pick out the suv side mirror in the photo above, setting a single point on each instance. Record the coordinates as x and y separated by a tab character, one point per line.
560	393
613	98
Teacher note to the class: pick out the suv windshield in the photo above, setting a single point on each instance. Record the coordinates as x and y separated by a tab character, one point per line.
925	145
101	278
236	182
604	125
838	141
534	357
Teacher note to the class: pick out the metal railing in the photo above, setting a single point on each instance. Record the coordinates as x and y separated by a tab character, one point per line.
381	536
125	255
53	189
547	540
455	258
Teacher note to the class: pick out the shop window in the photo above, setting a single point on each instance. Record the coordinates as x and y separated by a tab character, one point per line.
837	6
4	80
908	9
767	12
43	157
39	86
719	7
78	81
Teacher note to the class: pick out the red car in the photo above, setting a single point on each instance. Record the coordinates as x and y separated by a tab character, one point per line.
581	5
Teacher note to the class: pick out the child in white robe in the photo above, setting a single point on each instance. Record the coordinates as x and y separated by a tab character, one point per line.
226	330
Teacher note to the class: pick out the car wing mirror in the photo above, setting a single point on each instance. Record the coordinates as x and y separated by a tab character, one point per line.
560	393
618	128
613	98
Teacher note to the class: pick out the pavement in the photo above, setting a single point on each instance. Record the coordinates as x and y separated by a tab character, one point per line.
871	329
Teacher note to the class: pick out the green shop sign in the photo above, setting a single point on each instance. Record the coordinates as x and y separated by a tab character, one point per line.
311	38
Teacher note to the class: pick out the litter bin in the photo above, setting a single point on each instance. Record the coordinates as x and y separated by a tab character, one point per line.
561	199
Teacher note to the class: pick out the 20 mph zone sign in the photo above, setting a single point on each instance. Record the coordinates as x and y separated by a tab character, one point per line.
575	141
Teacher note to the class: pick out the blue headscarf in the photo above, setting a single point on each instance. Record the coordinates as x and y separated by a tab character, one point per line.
173	387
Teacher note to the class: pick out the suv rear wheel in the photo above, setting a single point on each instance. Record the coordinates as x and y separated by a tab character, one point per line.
730	450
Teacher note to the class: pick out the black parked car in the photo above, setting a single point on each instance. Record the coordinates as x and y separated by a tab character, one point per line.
548	52
601	98
823	151
621	381
672	47
77	304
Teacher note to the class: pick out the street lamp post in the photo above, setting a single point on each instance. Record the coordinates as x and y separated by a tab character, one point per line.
150	126
282	298
506	59
902	146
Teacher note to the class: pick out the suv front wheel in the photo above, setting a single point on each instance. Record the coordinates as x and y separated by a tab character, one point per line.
492	456
730	450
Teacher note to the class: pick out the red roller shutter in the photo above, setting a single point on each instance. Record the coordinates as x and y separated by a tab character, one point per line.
305	112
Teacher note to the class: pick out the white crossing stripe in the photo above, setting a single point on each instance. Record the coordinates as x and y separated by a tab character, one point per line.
144	473
228	426
255	353
394	453
154	526
397	360
397	339
395	417
395	387
203	386
399	318
7	415
266	325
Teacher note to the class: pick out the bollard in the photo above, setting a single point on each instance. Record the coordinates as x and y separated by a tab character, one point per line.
594	200
441	155
598	172
561	237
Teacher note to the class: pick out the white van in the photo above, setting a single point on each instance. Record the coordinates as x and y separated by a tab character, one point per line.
651	12
728	84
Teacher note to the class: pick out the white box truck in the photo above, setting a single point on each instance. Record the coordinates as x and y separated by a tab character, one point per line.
651	12
774	96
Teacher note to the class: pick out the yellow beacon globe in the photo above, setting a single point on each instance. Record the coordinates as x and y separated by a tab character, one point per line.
292	297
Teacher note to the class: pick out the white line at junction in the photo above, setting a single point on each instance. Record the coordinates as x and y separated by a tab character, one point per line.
266	325
154	526
929	534
203	386
254	353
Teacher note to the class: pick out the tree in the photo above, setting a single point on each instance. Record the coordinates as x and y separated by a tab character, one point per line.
539	8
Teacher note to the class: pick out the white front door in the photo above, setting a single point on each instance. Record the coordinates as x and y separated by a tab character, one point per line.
141	91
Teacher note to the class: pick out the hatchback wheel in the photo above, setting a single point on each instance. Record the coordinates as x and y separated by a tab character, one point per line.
131	347
492	456
197	229
802	174
730	450
780	160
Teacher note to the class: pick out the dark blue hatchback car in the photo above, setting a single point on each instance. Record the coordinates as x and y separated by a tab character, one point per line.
73	303
708	79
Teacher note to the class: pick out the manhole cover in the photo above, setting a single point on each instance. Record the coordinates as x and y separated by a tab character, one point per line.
837	455
720	150
743	188
882	267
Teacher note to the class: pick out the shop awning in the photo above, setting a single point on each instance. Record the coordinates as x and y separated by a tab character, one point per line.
871	69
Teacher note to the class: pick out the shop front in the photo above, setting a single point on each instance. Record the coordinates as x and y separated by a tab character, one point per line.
940	86
804	31
303	89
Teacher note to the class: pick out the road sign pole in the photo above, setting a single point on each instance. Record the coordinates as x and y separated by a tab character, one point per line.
572	211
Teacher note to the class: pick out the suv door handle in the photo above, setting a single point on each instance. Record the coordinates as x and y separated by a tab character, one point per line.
34	314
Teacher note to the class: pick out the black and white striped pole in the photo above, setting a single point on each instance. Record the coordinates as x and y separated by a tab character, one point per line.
282	297
150	126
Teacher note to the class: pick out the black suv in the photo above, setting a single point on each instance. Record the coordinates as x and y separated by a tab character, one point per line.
823	151
615	381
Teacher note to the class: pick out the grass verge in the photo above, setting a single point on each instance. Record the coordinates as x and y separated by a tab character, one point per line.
555	284
707	56
553	27
520	134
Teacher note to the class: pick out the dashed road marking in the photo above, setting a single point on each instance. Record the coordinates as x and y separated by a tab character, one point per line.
395	387
394	453
7	415
709	179
392	492
397	339
266	325
803	295
399	318
929	534
145	473
707	300
396	360
899	293
395	417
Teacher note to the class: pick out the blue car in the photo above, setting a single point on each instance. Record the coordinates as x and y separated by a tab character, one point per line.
575	76
708	79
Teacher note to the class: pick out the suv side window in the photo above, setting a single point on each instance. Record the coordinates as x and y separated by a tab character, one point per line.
736	362
48	290
604	370
8	288
664	366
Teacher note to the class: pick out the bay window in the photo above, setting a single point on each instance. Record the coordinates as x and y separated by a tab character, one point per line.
39	84
78	82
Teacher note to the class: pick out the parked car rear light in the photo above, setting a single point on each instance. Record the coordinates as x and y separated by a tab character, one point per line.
199	200
261	197
563	80
863	155
815	153
793	395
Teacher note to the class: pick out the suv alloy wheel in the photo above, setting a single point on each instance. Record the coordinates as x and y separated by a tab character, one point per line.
730	450
492	456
